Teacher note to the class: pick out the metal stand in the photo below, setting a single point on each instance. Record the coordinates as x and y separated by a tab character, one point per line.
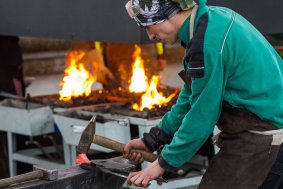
29	119
30	156
11	140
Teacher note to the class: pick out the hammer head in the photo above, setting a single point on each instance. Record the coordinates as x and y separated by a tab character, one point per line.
87	137
48	174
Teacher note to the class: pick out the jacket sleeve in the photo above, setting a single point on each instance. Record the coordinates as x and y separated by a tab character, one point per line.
172	120
199	122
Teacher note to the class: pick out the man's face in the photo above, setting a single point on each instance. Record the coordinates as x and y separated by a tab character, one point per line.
164	32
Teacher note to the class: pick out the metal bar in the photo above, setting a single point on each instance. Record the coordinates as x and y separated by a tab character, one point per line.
21	178
54	143
67	153
36	151
34	160
73	154
13	96
39	146
11	139
97	107
133	120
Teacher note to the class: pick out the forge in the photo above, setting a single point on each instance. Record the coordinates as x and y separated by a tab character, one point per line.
142	96
109	101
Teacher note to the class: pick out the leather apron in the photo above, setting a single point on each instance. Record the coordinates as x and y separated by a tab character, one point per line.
245	158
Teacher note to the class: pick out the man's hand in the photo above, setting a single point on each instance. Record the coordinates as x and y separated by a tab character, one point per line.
134	144
142	178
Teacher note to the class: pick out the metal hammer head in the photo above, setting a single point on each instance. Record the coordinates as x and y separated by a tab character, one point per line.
87	137
48	174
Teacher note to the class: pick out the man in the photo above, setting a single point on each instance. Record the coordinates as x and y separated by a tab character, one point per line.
236	82
11	81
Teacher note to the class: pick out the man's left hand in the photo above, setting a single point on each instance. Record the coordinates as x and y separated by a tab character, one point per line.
142	178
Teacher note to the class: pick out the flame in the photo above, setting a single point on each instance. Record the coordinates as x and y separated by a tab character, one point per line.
152	97
139	83
139	80
78	80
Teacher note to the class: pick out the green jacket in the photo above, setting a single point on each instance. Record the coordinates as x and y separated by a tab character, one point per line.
240	67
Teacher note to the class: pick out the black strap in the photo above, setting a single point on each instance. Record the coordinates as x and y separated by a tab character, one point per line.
194	50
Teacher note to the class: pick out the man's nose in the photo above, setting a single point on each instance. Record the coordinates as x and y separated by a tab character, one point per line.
150	35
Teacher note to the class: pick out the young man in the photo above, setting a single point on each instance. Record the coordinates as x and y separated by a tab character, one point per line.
234	79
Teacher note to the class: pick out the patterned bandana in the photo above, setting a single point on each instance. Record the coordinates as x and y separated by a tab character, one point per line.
151	12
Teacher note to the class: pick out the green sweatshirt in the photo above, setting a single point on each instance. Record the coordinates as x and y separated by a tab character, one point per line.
240	67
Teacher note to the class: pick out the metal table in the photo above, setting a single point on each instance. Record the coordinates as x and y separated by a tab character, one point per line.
29	119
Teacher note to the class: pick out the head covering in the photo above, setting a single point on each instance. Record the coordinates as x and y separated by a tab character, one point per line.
185	4
151	12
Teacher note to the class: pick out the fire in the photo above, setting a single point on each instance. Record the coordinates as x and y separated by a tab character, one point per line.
139	83
139	80
152	97
78	80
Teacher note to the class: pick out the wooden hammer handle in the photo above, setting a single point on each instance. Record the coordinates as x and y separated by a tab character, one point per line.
21	178
119	147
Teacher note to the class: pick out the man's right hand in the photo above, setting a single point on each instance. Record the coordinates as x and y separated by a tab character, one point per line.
134	156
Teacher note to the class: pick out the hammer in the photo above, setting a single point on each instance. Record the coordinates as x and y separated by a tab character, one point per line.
37	173
88	137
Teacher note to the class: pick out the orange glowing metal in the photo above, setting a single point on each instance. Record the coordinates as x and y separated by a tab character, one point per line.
152	97
139	80
77	81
